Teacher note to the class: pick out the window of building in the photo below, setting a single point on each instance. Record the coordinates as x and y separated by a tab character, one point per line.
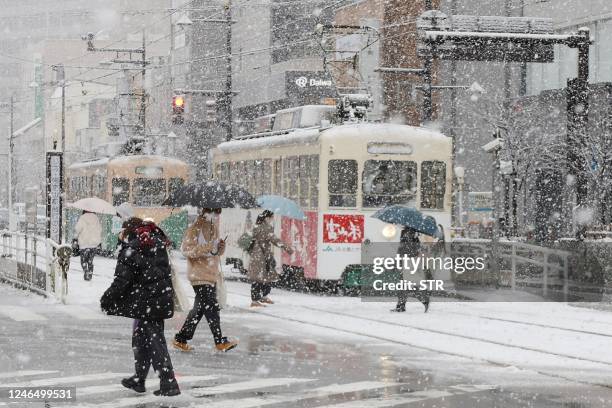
387	182
342	183
433	184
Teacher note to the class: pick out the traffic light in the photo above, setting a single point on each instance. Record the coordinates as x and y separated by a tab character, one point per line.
178	108
211	110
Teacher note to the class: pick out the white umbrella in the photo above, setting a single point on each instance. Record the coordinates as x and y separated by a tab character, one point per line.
94	205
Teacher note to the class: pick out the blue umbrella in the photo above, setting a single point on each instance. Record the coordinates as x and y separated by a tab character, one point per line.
409	217
281	206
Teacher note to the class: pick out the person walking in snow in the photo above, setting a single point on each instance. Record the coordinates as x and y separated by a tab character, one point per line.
410	245
203	248
88	233
142	290
262	265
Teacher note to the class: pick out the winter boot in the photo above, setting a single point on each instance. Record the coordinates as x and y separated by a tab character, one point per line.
134	383
225	345
267	300
257	304
168	388
426	304
181	346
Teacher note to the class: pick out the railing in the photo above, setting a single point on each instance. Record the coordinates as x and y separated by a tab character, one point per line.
33	263
514	256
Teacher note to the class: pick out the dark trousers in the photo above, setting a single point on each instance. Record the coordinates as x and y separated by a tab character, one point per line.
421	295
149	345
260	290
205	304
87	257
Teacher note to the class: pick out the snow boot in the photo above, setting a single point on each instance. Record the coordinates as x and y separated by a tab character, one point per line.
257	304
226	345
267	300
134	383
426	304
168	388
181	346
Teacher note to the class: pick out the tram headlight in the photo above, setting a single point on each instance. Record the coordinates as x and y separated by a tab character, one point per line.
389	231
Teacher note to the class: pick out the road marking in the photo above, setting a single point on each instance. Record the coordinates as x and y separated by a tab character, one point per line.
321	392
248	385
20	314
83	313
68	380
25	373
408	398
103	389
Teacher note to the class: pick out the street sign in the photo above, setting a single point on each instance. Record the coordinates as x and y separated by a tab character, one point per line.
485	38
55	186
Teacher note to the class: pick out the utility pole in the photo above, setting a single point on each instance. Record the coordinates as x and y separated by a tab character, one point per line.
227	103
11	175
143	98
428	79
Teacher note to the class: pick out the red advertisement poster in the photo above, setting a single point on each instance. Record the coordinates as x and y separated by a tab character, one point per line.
343	229
302	236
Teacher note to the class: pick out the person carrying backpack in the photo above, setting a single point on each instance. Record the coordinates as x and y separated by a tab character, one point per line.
142	290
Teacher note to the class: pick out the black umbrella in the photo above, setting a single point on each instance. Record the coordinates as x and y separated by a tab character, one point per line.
211	194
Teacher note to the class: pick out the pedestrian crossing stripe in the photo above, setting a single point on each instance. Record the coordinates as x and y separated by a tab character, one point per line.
248	385
416	396
112	388
68	380
25	373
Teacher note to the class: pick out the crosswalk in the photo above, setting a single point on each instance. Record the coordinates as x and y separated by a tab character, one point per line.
102	390
29	314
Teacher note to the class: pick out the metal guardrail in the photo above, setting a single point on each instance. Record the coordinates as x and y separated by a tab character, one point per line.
552	261
35	263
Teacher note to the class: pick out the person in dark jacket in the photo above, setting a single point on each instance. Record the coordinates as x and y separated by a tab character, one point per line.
410	245
142	290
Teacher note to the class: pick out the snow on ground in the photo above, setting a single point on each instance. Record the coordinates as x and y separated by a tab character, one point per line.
517	341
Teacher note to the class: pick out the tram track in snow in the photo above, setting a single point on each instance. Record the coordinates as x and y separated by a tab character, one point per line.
435	350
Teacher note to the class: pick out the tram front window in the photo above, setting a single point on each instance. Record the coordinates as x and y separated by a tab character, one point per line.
387	182
149	192
342	183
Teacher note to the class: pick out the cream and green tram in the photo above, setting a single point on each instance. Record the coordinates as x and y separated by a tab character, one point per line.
144	181
340	176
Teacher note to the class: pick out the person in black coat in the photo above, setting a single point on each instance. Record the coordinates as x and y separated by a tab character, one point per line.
410	245
142	290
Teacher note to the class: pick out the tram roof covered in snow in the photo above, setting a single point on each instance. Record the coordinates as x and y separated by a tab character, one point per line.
351	131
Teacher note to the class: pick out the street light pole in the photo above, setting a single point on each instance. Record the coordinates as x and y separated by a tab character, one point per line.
11	175
228	78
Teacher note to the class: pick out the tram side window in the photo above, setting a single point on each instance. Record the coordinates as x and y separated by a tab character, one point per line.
217	171
293	178
121	191
278	172
174	184
258	177
149	192
304	179
314	181
225	176
342	183
241	175
387	182
433	184
267	177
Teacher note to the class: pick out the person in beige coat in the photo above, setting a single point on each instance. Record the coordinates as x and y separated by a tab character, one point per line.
262	266
202	247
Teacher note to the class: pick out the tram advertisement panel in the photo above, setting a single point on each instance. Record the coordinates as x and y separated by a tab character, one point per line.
302	236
